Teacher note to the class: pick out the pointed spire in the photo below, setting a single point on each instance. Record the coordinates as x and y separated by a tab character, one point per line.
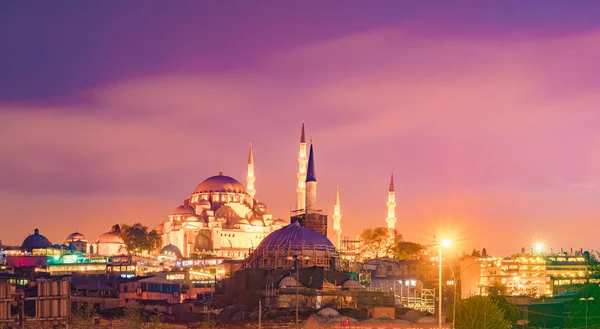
221	169
302	139
392	182
251	156
311	175
337	196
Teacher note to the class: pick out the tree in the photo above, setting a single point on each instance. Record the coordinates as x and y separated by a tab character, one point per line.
484	253
497	289
377	242
480	312
84	316
576	307
407	250
383	242
476	253
138	239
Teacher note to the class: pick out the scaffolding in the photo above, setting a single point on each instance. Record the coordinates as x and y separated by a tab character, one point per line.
315	220
283	256
424	301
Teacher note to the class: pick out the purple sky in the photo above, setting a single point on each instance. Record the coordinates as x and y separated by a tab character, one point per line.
486	111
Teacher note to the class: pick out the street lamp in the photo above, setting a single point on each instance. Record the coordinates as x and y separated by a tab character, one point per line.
586	308
443	244
295	258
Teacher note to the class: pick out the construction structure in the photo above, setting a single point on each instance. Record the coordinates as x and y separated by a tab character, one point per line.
51	304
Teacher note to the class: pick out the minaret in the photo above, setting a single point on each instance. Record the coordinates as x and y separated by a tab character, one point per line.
337	218
391	205
250	179
302	161
311	184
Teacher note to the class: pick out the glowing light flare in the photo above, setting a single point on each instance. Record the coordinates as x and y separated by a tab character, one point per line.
446	243
539	247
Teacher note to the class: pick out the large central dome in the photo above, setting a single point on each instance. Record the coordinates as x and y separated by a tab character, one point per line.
220	183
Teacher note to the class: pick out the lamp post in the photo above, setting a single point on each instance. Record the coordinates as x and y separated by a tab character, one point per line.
586	300
444	243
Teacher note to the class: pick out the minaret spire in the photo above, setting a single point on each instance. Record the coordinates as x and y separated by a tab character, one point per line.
250	179
391	205
301	175
337	218
311	183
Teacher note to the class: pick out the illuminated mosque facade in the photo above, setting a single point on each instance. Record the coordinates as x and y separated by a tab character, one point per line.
222	216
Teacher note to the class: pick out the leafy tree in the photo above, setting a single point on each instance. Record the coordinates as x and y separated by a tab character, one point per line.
476	253
497	289
480	312
383	242
407	249
133	317
576	308
484	253
84	316
138	239
377	242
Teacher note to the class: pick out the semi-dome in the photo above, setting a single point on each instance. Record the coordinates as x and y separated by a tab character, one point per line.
220	183
171	251
184	210
75	237
110	237
36	240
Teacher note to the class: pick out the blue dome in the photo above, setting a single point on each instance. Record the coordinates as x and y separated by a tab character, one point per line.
295	234
36	240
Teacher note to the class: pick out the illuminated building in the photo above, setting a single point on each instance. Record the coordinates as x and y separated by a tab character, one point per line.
221	218
110	243
77	241
524	275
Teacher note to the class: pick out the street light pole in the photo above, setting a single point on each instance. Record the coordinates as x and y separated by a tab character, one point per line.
440	290
586	300
443	243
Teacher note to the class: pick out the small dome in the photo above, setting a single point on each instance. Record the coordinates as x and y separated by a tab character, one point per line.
352	285
171	251
226	212
36	240
75	237
184	210
204	203
239	221
281	222
328	312
287	282
257	222
193	218
220	183
110	237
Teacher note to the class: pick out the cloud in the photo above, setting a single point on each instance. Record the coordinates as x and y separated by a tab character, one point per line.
452	115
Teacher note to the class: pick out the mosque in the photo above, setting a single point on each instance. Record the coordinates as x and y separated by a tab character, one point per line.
223	218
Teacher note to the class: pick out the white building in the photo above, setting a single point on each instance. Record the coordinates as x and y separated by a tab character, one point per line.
221	217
